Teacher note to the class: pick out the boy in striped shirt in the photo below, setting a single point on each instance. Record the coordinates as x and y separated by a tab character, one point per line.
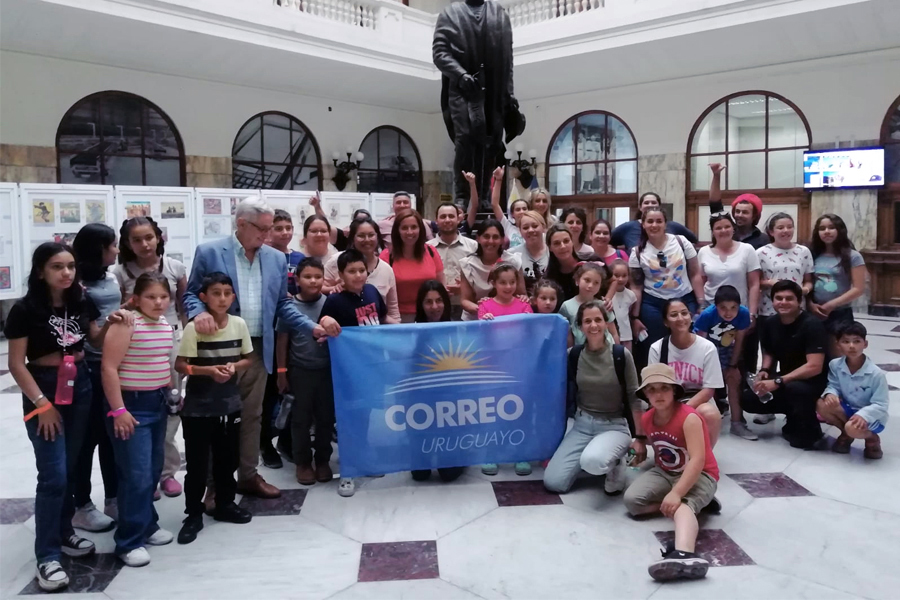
211	416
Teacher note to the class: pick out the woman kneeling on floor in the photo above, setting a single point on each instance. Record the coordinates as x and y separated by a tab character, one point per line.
602	384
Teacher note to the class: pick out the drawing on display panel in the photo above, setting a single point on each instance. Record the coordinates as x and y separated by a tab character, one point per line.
212	227
137	209
70	212
96	211
234	203
5	279
303	212
212	206
354	207
172	210
64	238
176	256
333	212
42	212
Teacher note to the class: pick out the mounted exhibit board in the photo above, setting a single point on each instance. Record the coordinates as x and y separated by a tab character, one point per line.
12	277
215	211
55	213
172	209
383	205
338	207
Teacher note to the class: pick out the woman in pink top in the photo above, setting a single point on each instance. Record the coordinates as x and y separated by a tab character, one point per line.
504	278
412	260
601	233
135	374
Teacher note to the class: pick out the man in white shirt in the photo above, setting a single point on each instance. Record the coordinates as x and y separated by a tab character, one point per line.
402	201
452	247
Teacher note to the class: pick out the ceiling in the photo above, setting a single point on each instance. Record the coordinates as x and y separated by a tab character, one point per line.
38	27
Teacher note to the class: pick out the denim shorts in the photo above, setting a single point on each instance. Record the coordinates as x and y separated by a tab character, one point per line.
876	427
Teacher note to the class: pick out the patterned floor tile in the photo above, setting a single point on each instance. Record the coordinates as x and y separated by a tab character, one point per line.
893	367
523	493
896	328
15	510
90	574
769	485
290	503
715	546
395	561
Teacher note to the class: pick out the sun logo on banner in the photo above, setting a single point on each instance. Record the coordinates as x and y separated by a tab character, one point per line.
453	366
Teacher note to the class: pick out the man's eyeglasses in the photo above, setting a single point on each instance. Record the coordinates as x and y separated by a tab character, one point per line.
265	230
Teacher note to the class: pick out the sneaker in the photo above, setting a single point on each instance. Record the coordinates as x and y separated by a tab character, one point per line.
842	444
160	537
615	480
89	518
763	419
740	429
111	508
156	494
271	458
490	468
873	448
170	487
347	487
523	468
677	564
51	576
75	545
192	526
138	557
232	513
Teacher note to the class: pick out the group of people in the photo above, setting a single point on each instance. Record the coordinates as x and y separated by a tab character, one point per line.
117	361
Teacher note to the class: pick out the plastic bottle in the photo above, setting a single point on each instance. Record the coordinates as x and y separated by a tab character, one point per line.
65	380
629	460
751	379
173	401
287	401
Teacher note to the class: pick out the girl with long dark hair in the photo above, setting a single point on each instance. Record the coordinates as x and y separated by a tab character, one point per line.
601	236
412	260
575	220
563	260
475	268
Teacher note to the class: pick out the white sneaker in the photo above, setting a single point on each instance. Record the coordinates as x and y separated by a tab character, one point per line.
615	479
160	537
51	576
763	419
347	487
138	557
89	518
111	509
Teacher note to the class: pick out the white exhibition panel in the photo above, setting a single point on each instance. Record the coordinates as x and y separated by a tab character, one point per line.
12	276
171	207
705	235
337	206
383	205
55	213
214	209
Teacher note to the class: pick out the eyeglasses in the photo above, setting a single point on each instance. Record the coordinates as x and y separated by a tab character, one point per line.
663	259
260	229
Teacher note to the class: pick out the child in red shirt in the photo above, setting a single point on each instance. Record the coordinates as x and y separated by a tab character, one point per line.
685	477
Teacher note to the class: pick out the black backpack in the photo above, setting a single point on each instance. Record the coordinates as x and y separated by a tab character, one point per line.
618	352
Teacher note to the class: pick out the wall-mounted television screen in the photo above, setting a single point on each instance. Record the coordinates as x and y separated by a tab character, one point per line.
843	168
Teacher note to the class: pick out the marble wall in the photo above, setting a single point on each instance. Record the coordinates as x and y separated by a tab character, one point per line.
27	164
665	175
208	171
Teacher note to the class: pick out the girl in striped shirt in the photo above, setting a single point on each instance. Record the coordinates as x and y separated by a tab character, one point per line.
135	372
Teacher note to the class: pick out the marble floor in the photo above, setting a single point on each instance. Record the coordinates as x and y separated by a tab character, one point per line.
794	524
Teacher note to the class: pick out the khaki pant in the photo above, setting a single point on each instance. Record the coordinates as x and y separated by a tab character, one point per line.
652	486
252	384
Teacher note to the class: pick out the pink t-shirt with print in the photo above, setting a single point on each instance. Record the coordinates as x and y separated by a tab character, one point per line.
492	307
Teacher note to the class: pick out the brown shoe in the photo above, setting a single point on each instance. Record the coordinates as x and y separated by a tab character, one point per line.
873	448
305	474
259	488
842	444
209	501
323	473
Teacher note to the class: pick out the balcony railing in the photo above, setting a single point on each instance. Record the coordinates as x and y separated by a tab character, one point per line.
351	12
529	12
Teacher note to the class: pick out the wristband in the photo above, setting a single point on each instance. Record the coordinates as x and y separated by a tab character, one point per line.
39	398
117	412
189	369
38	411
281	370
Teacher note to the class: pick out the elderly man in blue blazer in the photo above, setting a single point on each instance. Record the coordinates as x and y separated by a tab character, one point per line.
259	273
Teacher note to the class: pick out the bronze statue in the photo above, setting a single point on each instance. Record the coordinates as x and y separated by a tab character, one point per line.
473	50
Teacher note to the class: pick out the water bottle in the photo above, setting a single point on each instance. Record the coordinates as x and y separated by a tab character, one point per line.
287	401
173	401
629	460
766	397
65	380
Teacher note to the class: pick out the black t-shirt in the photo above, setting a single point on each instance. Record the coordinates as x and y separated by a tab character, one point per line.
789	344
351	310
49	332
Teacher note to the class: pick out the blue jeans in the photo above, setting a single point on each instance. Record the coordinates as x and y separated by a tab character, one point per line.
139	462
652	318
593	444
54	504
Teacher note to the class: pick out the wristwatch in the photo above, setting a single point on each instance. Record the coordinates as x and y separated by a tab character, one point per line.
778	381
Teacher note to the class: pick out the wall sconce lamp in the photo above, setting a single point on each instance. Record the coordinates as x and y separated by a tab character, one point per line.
526	168
342	170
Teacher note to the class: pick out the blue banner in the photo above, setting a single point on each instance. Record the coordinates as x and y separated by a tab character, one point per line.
449	394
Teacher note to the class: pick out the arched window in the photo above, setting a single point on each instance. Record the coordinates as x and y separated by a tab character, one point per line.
760	137
117	138
275	151
592	163
390	162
